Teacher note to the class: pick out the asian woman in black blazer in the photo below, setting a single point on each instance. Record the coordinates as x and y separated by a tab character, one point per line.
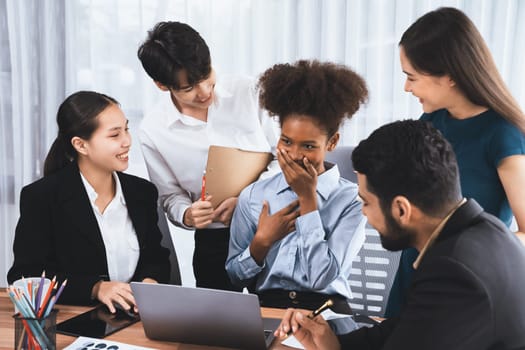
85	220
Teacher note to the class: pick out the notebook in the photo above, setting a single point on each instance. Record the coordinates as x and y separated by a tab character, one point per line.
230	170
203	316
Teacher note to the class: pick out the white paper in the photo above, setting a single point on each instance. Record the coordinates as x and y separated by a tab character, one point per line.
292	342
330	315
92	343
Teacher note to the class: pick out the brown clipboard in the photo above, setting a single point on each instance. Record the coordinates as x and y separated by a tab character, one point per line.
230	170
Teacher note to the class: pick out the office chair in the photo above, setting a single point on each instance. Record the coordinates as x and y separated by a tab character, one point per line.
374	268
167	242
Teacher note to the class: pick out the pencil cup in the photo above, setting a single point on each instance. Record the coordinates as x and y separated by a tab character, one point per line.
23	284
32	331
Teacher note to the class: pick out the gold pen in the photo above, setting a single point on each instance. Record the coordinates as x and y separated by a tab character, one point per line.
315	313
321	308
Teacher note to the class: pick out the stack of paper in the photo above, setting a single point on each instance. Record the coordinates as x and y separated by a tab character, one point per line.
94	344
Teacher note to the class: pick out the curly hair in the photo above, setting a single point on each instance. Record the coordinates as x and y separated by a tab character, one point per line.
326	92
172	47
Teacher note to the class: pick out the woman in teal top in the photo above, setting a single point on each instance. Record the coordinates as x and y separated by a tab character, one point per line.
481	143
450	70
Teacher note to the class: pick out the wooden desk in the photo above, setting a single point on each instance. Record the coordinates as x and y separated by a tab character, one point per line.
133	334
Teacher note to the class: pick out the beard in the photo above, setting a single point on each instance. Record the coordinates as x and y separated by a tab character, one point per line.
395	238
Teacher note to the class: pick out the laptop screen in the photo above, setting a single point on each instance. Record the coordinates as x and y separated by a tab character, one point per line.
202	316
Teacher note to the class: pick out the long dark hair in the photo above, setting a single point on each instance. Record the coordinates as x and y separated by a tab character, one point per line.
76	116
446	42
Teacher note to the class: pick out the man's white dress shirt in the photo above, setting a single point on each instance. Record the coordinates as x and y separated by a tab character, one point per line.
175	146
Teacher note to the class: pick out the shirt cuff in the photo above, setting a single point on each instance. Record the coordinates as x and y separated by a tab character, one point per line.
247	264
180	219
310	224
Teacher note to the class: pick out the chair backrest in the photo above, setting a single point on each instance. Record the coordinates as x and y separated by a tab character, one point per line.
373	272
167	242
374	269
342	156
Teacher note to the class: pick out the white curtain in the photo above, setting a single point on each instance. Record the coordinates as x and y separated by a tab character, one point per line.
32	81
248	36
55	47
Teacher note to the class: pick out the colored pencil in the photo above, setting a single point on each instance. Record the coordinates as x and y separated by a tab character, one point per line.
50	306
28	319
55	298
38	298
30	289
61	288
34	305
52	287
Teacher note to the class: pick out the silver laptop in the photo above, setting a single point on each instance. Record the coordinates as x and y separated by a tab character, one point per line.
203	316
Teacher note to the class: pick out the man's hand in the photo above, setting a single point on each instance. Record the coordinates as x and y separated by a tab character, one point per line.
313	334
224	211
200	214
272	228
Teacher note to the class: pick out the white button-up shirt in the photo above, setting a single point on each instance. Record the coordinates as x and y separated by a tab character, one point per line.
118	233
175	146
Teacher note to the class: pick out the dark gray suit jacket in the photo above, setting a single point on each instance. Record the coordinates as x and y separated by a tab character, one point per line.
468	292
58	232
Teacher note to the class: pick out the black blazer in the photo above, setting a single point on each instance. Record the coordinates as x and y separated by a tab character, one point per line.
58	232
468	292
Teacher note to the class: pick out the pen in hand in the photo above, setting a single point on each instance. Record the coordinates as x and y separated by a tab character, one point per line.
203	187
315	313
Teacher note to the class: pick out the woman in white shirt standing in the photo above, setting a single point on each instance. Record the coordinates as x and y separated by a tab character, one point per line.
85	220
197	112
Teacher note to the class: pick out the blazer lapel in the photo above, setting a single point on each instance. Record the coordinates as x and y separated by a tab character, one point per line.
77	207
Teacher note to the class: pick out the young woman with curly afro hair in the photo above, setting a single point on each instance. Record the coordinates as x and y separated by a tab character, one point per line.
294	235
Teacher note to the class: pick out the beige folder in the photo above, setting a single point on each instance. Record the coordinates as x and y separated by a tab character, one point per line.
230	170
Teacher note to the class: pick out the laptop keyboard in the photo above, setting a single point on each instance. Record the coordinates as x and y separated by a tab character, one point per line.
267	334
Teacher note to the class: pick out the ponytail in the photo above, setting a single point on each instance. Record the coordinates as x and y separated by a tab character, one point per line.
59	156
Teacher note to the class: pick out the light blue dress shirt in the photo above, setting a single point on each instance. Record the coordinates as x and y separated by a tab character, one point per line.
318	255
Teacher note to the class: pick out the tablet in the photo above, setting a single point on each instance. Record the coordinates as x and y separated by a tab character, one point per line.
96	323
